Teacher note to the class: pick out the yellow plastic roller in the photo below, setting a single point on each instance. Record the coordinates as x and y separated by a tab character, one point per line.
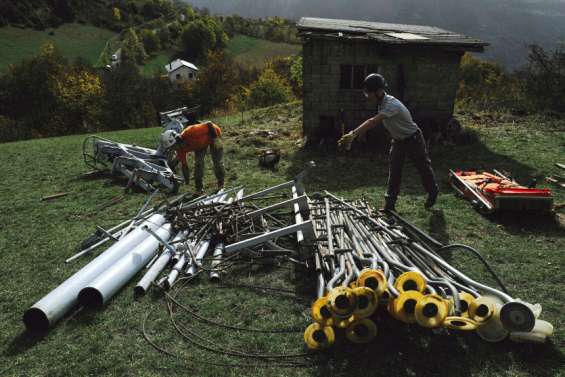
460	323
466	300
431	310
366	300
361	331
374	279
318	336
342	301
403	307
342	323
321	310
482	308
410	281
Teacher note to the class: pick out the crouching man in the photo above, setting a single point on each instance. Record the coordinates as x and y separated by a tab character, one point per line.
198	139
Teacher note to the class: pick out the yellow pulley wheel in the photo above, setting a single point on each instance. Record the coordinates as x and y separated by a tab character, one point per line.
431	310
361	331
342	301
466	300
410	281
482	308
404	306
342	323
321	311
374	279
318	336
366	300
460	323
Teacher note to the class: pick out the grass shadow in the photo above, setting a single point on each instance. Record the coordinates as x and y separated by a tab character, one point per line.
409	350
535	223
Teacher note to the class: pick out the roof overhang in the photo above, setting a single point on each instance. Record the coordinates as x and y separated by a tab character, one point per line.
387	34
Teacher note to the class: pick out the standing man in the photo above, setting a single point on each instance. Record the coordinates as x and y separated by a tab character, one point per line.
407	140
198	139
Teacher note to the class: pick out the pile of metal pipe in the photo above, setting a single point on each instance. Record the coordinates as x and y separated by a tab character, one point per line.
361	258
364	259
44	313
173	240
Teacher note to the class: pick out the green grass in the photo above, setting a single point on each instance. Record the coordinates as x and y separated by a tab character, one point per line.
255	52
156	64
73	40
36	237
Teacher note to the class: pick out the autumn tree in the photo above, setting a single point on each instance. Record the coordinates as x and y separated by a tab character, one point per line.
216	81
132	47
269	90
151	41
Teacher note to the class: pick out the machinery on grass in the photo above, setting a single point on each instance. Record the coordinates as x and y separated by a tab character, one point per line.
493	192
143	167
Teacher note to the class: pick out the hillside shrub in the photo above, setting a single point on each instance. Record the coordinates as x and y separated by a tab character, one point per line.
270	89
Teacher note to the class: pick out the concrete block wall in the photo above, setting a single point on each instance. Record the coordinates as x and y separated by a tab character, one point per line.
430	81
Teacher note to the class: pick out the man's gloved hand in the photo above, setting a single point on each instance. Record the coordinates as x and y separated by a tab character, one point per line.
346	140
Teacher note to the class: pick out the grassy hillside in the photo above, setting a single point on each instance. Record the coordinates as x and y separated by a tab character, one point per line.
73	40
255	52
156	64
36	237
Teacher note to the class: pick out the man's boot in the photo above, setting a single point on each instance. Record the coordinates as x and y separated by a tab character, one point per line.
389	205
431	200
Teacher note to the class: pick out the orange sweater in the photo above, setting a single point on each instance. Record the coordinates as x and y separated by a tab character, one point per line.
196	138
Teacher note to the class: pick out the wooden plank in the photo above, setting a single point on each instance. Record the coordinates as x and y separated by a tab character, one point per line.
54	196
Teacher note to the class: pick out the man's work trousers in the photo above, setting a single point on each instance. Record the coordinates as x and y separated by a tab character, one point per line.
415	148
218	161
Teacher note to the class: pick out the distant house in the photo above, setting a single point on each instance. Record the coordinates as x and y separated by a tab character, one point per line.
181	71
420	63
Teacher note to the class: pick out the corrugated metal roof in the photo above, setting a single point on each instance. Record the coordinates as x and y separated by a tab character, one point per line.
386	33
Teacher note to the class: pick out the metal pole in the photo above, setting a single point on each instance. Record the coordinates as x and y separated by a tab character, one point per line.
44	313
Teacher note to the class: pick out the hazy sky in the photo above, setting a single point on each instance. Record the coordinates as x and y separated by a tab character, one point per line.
509	25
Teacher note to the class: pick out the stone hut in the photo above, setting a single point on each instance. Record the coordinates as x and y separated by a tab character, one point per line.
420	63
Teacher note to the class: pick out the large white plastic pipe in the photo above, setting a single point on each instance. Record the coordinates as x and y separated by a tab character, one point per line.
199	256
44	313
215	275
101	289
177	268
158	266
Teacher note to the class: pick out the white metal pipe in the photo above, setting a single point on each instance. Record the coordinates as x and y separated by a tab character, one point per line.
217	258
101	289
262	238
173	275
44	313
158	266
199	256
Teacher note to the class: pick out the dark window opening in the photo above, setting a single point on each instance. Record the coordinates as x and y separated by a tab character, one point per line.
178	76
345	78
327	132
358	76
352	76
